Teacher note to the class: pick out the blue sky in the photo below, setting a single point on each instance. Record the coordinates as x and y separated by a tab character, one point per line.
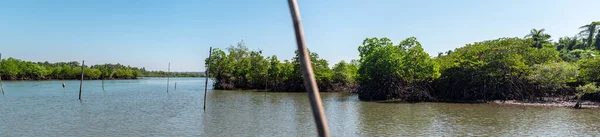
152	33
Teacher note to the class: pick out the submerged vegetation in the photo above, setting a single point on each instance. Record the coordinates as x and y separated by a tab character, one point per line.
15	69
531	68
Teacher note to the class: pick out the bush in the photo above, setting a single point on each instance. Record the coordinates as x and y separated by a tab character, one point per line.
590	69
554	75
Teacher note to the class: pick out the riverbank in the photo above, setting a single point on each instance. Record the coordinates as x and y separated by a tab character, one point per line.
569	103
50	79
547	102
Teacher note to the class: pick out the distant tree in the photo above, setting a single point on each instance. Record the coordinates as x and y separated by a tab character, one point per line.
344	72
386	70
589	30
274	71
539	36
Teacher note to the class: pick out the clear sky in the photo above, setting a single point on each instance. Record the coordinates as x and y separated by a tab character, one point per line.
152	33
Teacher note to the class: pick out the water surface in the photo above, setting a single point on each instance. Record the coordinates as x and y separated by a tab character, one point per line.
144	108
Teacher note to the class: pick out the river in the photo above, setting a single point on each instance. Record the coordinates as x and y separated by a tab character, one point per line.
144	108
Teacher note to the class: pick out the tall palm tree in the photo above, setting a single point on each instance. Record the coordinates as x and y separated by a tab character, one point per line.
589	30
539	37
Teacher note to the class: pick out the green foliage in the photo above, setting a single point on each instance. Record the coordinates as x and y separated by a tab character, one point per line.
343	71
494	69
15	69
539	37
589	31
385	70
590	69
587	89
569	43
287	70
542	55
259	68
381	60
554	75
576	55
219	64
499	57
320	67
597	40
418	66
241	68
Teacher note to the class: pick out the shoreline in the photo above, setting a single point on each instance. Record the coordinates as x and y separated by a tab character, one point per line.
584	104
550	102
12	80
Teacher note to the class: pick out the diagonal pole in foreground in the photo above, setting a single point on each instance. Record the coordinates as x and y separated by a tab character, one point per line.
309	78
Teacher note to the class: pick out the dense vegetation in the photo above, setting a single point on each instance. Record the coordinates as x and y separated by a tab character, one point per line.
531	68
15	69
241	68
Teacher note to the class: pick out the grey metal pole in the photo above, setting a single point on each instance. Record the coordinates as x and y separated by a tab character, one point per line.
309	78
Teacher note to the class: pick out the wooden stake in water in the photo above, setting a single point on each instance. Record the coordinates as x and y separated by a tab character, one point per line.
168	75
63	81
309	77
81	81
206	82
1	86
103	77
175	85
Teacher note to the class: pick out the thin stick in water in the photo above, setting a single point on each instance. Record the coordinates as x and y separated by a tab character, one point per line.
1	86
81	81
309	78
206	82
103	77
175	85
168	75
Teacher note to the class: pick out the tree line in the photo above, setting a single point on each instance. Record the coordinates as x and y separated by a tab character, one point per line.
15	69
241	68
522	68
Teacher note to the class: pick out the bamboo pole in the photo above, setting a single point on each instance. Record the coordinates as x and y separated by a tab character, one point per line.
168	75
1	86
309	78
207	74
81	81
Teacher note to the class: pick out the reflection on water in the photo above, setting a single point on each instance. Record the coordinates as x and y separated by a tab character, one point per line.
143	108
